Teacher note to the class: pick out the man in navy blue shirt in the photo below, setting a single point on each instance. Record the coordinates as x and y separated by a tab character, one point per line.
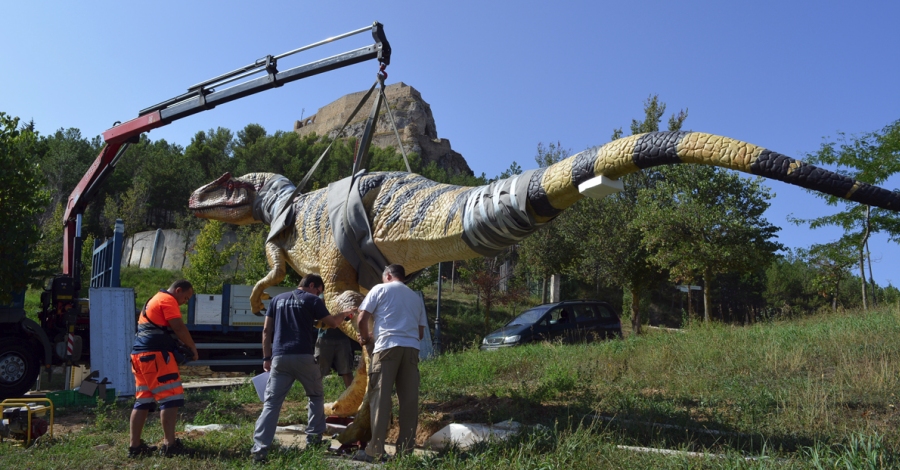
289	339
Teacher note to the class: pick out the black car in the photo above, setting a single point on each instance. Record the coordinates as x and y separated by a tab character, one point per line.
569	321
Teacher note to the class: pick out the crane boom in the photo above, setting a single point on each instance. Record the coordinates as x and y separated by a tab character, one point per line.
199	98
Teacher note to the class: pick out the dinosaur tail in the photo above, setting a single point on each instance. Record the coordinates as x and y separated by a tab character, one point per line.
554	188
506	211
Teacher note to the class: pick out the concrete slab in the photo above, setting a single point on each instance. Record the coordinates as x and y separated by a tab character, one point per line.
214	382
289	436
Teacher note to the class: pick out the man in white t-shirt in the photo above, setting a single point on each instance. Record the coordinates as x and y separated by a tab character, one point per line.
400	322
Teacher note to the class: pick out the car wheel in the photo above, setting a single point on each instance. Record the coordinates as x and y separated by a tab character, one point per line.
18	367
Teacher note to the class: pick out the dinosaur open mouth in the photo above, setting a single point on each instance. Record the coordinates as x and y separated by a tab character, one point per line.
219	205
221	196
203	210
223	212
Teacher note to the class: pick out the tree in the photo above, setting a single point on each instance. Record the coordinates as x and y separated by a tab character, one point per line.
871	158
207	261
249	147
131	207
831	264
64	157
702	221
21	202
892	295
791	285
653	113
212	150
250	249
609	243
255	151
609	249
545	252
171	174
188	224
48	250
483	278
514	169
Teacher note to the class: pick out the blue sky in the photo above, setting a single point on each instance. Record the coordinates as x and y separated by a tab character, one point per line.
499	78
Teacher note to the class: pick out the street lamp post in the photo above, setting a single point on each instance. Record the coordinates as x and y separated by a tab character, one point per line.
437	315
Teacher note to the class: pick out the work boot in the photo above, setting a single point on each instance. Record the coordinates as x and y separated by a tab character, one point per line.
362	456
315	441
177	448
142	450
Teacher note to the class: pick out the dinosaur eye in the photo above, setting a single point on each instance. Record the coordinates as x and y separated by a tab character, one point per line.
231	185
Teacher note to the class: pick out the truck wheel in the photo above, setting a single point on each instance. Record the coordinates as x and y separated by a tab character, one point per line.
18	367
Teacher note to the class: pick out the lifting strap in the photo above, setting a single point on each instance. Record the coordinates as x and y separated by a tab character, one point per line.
360	158
338	135
279	221
350	227
381	77
394	125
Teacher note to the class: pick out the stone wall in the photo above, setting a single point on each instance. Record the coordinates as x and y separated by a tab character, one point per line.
164	249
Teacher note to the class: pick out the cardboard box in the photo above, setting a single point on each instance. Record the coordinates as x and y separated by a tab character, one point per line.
90	385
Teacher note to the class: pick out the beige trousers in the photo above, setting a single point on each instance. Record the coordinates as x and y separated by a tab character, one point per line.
394	367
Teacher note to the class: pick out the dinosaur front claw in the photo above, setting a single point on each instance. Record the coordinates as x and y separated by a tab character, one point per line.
256	305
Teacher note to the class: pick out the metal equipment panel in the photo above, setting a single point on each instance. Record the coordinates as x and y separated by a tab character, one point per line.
239	312
112	336
208	309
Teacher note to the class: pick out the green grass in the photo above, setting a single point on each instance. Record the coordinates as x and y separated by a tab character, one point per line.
819	392
33	304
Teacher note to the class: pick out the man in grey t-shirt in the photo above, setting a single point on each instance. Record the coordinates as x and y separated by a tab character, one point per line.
399	325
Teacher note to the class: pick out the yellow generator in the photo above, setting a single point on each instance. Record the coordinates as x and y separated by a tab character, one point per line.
26	418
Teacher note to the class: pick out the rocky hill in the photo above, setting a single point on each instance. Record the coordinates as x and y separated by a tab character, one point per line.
412	115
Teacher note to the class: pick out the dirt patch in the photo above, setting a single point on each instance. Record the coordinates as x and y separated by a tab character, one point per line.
193	372
70	423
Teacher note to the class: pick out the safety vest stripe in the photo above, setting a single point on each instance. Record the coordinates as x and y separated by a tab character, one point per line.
163	388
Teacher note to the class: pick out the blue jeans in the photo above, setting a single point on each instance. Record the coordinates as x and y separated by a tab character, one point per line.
285	370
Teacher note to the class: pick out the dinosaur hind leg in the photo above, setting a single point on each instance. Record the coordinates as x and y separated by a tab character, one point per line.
340	277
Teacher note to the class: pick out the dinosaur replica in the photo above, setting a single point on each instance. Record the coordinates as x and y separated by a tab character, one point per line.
350	230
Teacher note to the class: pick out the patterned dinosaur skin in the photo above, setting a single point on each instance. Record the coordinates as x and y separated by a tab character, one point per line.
417	222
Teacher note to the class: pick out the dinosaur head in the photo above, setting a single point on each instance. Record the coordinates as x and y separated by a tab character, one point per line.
229	199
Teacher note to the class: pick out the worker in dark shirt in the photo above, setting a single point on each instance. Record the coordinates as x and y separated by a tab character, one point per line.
289	338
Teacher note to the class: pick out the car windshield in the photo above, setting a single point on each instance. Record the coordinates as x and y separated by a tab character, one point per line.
529	317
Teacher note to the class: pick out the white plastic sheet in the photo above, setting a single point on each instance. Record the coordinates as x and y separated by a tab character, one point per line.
468	434
208	427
